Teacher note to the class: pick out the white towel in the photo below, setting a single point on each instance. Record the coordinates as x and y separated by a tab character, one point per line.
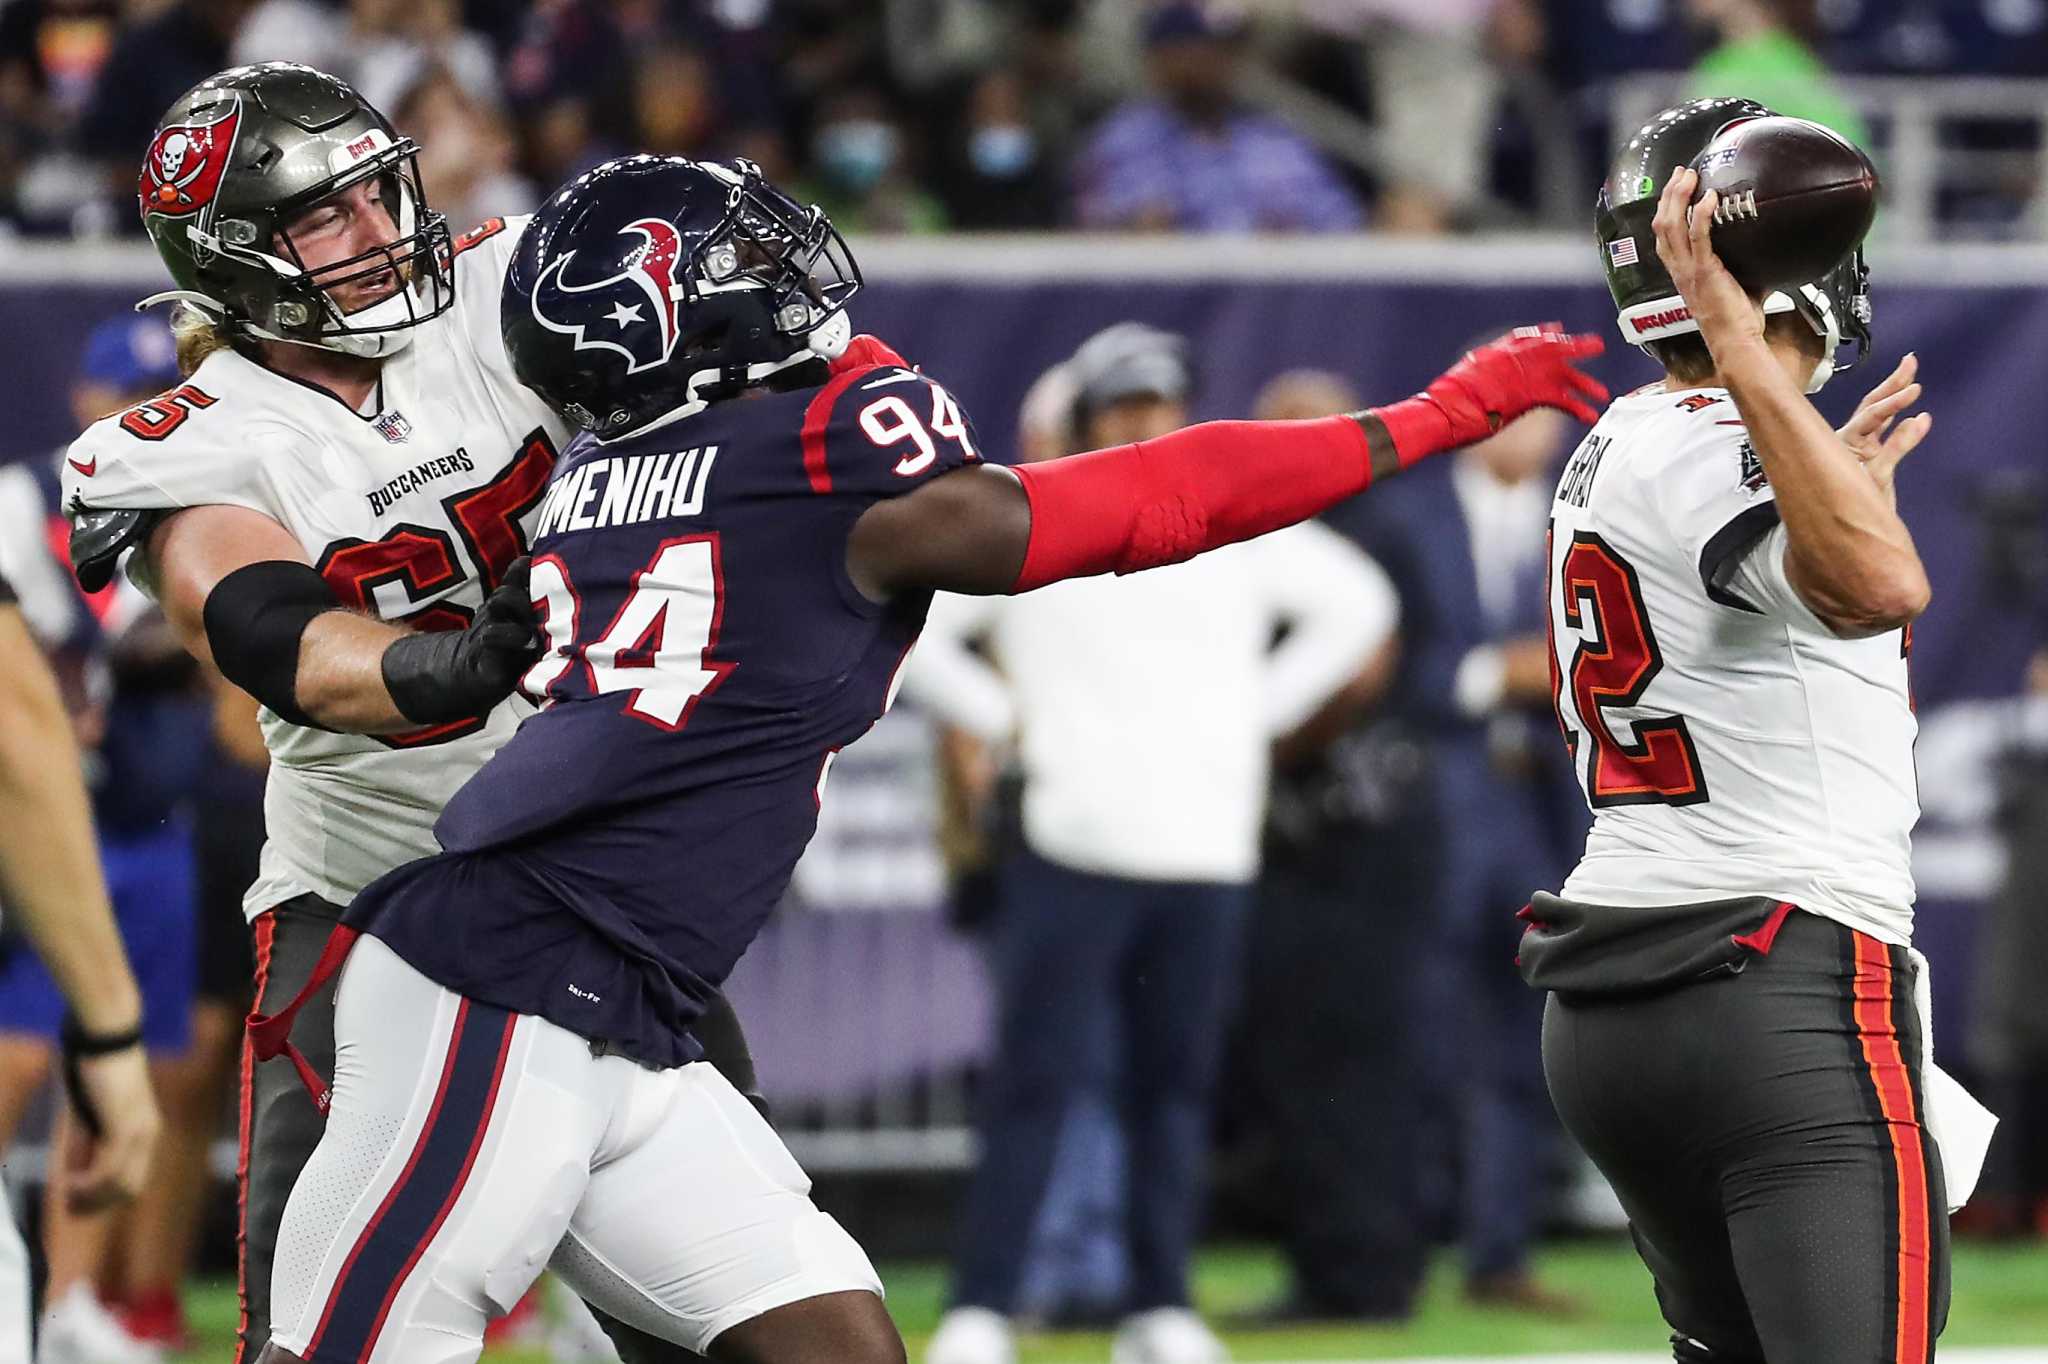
1961	1126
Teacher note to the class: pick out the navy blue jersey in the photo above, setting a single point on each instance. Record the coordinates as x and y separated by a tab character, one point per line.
710	655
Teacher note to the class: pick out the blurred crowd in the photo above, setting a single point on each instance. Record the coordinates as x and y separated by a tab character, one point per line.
926	115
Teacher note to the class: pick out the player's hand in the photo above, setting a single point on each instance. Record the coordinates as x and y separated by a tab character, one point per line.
1529	367
865	350
1870	432
1725	312
100	1169
458	674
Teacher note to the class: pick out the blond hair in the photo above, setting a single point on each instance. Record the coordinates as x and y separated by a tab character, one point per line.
197	334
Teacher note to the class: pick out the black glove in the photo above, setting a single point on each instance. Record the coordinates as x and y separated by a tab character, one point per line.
442	675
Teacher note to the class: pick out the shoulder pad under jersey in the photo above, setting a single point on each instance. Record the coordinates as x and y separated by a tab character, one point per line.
100	538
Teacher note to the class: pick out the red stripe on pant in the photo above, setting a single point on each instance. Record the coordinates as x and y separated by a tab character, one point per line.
265	935
1885	1060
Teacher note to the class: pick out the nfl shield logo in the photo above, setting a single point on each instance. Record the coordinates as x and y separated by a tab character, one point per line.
393	427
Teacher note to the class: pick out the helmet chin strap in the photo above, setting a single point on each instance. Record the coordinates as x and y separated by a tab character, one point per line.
1821	310
830	337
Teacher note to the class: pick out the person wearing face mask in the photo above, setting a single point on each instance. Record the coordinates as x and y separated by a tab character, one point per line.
999	173
857	173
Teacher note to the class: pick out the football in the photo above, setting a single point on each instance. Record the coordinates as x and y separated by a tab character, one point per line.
1795	199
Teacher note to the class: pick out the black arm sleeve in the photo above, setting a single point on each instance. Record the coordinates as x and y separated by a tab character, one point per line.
255	618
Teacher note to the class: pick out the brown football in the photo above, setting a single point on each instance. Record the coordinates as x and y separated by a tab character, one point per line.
1795	199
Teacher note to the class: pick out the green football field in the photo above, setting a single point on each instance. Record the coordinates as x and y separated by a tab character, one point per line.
2001	1299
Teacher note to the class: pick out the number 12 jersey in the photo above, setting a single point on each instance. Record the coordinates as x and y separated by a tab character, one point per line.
1728	743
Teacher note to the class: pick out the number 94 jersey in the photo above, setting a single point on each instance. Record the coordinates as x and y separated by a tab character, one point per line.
709	657
1727	746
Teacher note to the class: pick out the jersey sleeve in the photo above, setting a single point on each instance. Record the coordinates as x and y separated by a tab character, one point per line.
1758	577
189	447
1715	499
876	433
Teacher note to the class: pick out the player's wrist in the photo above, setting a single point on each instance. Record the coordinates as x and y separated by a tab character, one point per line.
1413	428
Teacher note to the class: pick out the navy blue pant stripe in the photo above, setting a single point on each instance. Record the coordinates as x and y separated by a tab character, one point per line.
414	1208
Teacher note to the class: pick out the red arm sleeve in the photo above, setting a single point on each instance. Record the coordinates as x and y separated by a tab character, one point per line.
1161	501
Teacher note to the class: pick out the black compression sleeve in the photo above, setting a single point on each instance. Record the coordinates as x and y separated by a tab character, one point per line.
255	618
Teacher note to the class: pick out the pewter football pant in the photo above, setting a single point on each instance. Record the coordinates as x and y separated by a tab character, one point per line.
1765	1133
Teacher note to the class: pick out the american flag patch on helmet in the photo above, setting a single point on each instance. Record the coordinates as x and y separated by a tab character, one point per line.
1622	252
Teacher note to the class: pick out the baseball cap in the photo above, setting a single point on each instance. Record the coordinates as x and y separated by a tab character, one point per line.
1129	360
130	353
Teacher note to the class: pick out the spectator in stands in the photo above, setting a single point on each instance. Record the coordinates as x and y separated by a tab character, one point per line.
1432	66
999	170
1331	1089
1464	542
153	63
859	172
1143	708
466	151
51	52
569	79
675	103
1763	50
382	47
148	732
1190	158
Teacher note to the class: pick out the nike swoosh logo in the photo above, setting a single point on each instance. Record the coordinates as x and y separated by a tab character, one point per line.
87	468
888	379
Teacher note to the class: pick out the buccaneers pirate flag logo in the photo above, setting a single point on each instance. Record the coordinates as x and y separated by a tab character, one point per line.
183	169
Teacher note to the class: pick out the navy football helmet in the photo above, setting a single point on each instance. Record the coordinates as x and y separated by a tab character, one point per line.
655	285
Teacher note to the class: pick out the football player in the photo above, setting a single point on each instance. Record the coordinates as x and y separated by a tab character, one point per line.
55	894
729	589
332	508
1732	1032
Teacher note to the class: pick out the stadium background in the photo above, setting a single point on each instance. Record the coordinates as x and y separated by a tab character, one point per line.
867	1011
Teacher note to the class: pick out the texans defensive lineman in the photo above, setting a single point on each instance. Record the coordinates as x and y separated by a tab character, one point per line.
732	563
332	507
1732	1032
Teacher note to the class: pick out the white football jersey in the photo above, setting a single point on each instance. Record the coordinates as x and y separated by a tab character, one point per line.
411	509
1727	748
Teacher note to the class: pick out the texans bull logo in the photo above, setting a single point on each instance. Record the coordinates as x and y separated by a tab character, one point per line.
182	172
634	312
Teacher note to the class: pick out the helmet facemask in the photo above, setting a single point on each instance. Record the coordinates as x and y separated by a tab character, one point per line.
768	241
302	307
